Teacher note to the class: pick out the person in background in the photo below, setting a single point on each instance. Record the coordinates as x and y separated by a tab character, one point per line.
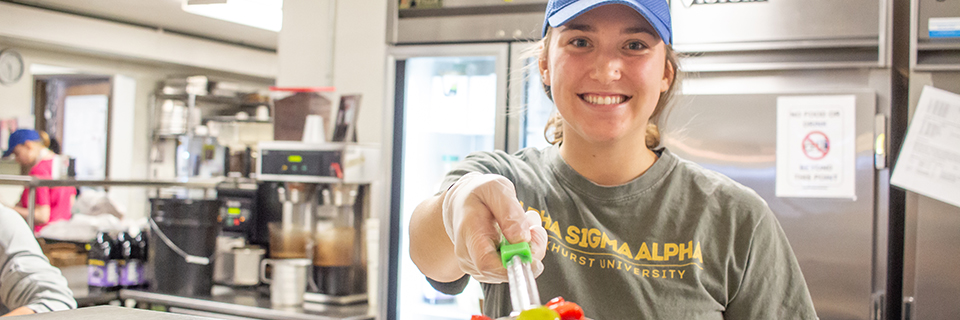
616	222
28	283
50	204
51	143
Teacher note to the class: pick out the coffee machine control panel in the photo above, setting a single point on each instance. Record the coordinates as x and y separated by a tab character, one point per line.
238	208
331	162
236	213
302	163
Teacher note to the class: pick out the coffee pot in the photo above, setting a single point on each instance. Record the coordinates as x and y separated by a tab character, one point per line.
290	238
339	255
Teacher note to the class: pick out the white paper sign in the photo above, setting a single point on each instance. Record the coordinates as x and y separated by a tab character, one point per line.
816	146
929	162
85	134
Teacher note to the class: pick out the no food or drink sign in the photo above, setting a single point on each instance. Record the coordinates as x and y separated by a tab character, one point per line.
815	146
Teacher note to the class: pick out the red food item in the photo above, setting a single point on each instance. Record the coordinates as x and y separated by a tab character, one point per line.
567	310
480	317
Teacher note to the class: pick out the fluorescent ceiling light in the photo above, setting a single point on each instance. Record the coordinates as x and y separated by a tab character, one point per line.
263	14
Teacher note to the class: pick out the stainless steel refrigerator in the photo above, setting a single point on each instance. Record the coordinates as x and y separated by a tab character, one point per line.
931	282
745	63
913	237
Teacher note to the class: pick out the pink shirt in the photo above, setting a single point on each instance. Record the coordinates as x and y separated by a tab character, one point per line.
58	198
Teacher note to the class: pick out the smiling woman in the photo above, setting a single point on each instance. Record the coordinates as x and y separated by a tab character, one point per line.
607	69
615	222
554	127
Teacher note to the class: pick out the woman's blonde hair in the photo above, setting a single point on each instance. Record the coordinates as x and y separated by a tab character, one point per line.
553	131
44	137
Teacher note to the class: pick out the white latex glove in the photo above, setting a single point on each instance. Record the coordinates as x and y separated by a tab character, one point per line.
473	208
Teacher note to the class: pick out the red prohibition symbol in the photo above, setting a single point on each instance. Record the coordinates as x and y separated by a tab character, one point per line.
816	145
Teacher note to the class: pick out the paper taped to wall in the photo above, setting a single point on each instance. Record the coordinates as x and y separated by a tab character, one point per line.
929	162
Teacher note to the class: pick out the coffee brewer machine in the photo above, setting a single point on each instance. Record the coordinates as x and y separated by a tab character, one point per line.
326	196
246	205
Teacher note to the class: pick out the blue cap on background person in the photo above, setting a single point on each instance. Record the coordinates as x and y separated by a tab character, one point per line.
657	12
20	137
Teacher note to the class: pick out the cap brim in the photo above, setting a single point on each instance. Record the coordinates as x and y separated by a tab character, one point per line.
7	153
577	8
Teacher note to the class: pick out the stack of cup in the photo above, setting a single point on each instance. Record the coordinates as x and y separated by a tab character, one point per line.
313	130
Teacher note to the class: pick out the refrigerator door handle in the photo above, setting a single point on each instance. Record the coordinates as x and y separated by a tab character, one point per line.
880	142
907	308
876	310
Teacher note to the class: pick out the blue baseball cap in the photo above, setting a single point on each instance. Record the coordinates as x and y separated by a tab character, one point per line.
19	137
657	12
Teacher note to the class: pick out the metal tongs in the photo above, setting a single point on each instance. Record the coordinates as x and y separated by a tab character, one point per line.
517	258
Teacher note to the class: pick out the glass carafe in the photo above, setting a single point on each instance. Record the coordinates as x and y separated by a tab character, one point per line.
338	257
290	237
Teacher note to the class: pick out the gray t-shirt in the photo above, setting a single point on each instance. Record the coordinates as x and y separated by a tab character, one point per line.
678	242
26	277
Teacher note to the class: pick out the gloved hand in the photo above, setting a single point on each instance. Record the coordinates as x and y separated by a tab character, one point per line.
476	209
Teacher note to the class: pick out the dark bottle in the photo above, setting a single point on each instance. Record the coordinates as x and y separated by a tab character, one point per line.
102	275
129	263
141	241
117	257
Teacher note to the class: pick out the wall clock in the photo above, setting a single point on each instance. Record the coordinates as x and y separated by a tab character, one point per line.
11	66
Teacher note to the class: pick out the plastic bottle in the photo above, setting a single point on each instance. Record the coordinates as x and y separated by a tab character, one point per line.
114	264
141	241
102	275
129	262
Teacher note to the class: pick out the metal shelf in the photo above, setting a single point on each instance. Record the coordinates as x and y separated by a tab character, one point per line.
209	107
29	181
203	98
252	119
232	100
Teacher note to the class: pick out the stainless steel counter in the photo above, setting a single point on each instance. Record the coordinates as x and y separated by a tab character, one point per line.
87	299
247	303
108	312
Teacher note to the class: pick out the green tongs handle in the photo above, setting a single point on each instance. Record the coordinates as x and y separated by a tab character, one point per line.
508	251
523	285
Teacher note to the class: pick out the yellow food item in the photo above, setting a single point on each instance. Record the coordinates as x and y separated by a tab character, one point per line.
539	313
